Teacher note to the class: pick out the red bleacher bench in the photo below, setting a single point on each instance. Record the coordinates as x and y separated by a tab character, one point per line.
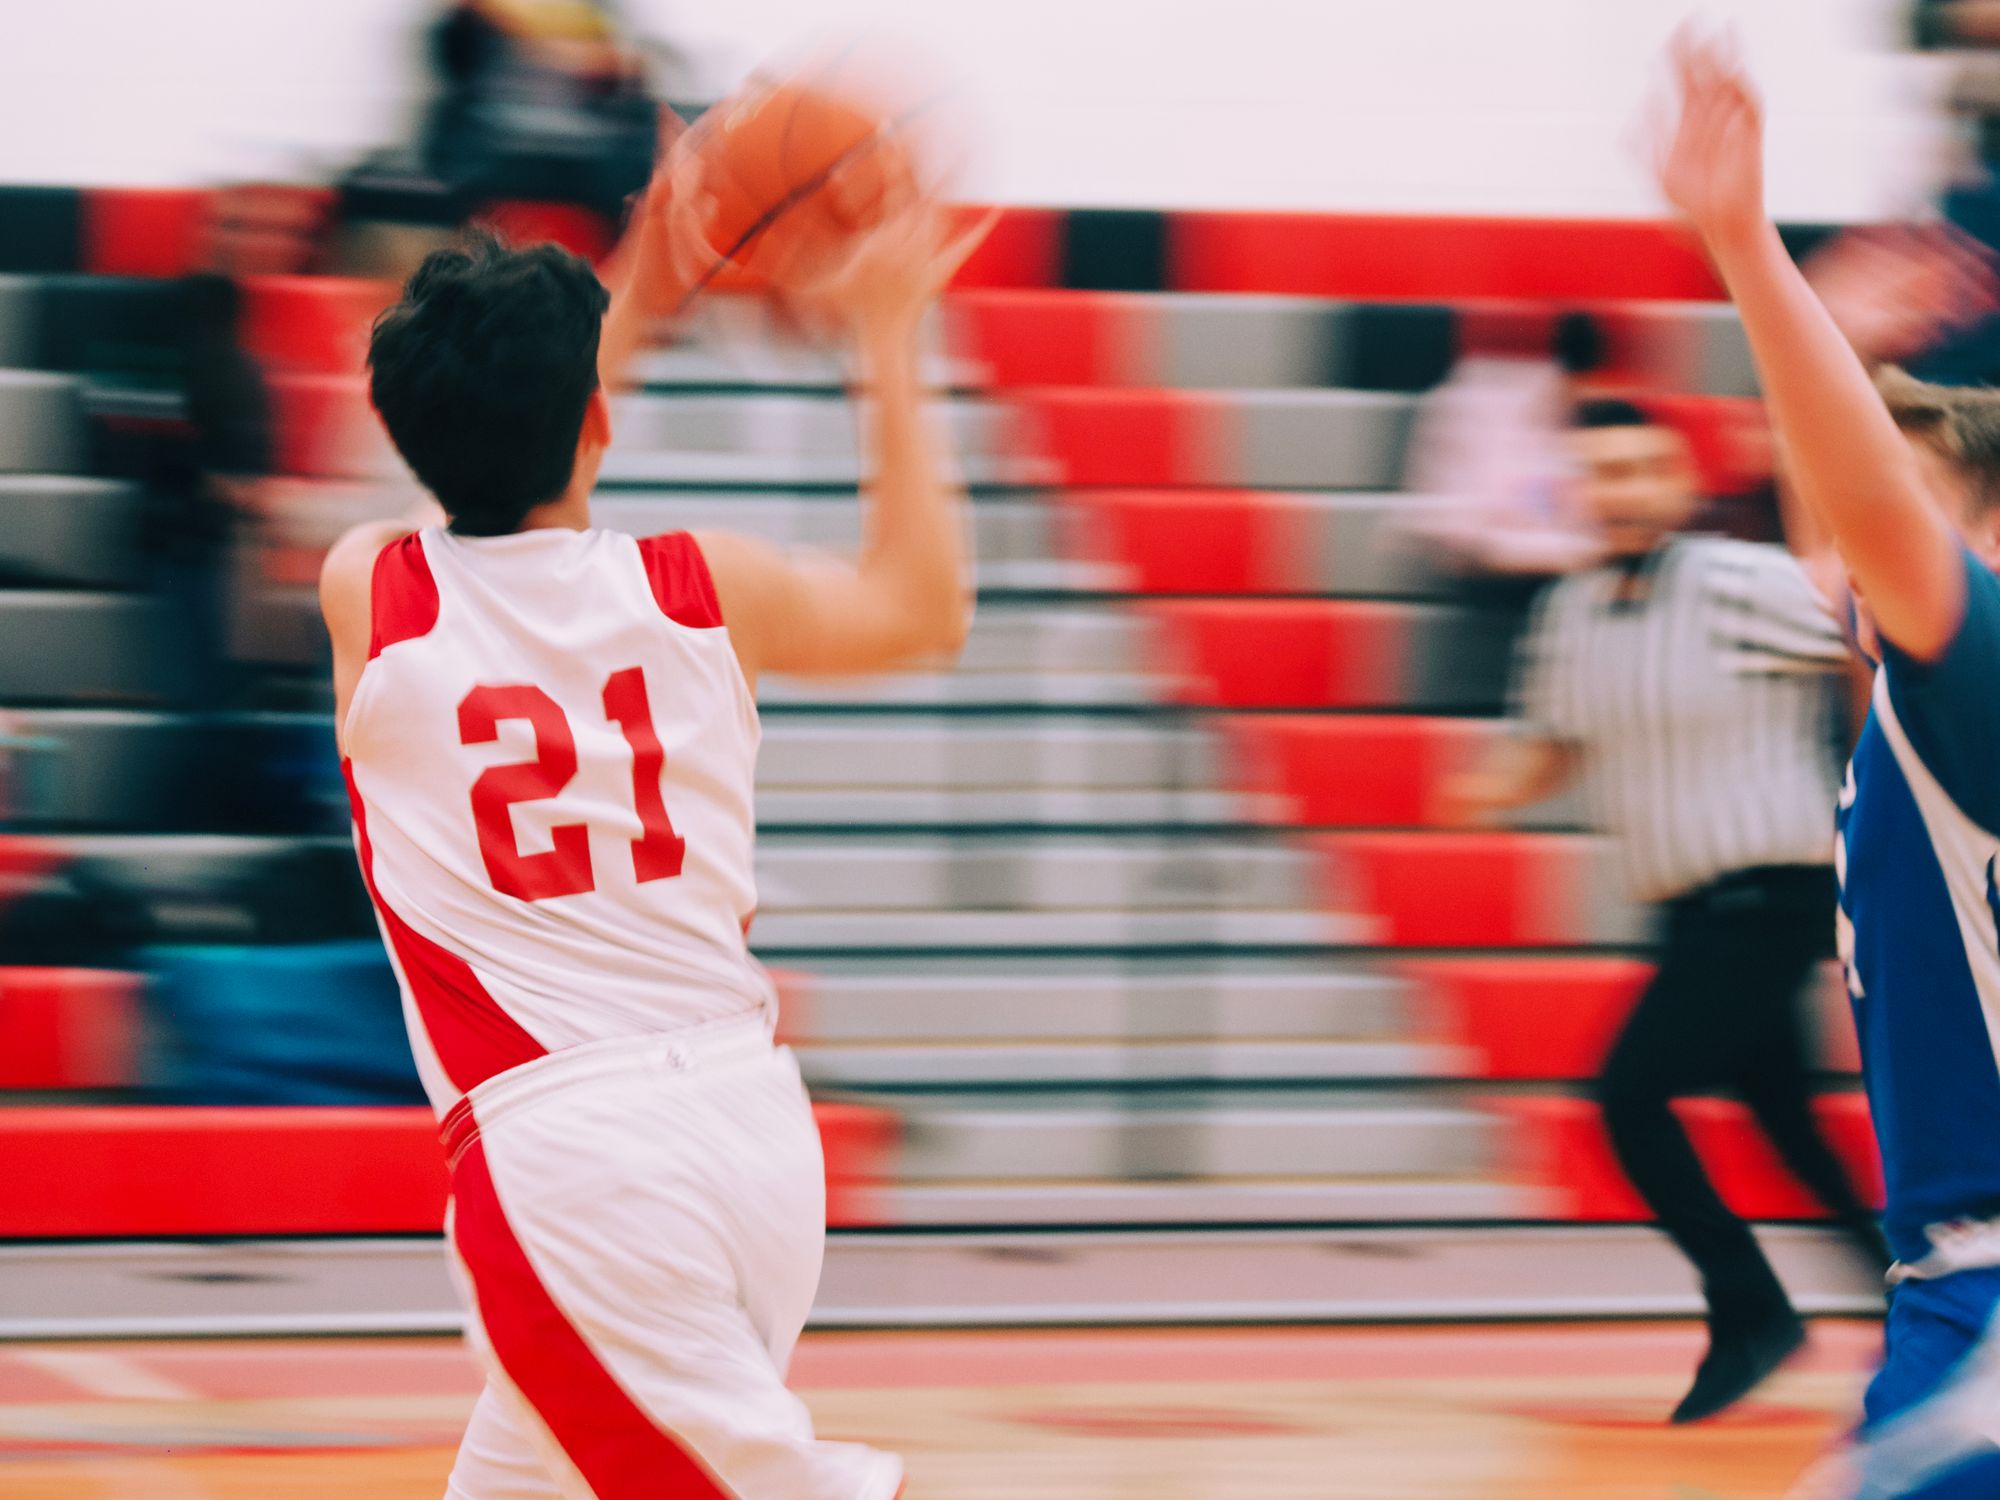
1055	337
141	1172
68	1028
1023	248
1205	541
311	324
1104	435
1559	1145
1554	1016
1380	256
1352	771
322	422
144	231
1472	890
528	222
1529	1016
1043	336
1282	653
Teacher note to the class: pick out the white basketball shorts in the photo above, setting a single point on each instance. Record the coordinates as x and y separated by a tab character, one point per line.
638	1227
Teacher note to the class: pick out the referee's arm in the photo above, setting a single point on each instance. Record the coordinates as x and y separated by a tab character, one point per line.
1518	771
1542	755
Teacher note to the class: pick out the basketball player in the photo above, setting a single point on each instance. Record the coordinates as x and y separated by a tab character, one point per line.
1916	518
550	736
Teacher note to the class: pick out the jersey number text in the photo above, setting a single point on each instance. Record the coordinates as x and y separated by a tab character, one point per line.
564	869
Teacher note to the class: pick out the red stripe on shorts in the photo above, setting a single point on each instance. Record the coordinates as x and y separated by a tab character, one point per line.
619	1450
471	1035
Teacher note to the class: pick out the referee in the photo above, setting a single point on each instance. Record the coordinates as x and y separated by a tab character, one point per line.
1695	684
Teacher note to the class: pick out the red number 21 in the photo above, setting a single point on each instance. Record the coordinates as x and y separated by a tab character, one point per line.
564	869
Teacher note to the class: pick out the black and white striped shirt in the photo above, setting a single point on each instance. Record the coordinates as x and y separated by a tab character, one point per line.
1705	708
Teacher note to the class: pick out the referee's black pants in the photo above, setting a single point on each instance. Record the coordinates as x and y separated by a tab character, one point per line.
1728	1011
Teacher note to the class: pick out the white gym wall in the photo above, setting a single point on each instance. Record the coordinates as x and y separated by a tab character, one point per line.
1432	106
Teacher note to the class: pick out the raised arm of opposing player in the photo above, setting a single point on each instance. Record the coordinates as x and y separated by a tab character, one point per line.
1848	462
906	600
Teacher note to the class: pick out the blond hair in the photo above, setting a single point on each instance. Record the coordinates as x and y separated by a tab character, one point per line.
1961	424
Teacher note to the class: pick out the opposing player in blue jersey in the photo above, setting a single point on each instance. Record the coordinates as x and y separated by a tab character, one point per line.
1914	509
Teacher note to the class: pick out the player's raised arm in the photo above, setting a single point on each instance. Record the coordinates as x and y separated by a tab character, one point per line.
906	600
653	268
1849	464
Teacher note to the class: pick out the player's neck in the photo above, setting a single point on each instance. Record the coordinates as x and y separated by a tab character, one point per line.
571	512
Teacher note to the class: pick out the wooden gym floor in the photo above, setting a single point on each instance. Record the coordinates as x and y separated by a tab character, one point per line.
1434	1413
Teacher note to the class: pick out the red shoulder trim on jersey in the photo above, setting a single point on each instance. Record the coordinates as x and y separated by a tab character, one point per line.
679	576
403	598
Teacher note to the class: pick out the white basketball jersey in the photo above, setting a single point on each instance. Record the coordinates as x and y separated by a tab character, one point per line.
551	754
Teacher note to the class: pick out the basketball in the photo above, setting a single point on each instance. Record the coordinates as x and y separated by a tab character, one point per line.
796	168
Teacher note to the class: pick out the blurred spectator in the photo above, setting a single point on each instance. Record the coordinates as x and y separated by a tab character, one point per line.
1690	682
1966	348
1488	454
67	913
1970	29
1488	449
535	101
540	99
204	487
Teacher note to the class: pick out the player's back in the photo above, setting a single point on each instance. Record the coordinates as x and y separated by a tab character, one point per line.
552	751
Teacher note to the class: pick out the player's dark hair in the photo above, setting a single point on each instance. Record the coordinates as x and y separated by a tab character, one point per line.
1961	424
1609	411
1578	344
483	373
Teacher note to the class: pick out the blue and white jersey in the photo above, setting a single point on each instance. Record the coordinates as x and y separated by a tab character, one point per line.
1919	861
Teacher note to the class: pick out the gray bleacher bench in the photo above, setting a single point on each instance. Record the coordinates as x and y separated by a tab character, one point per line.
42	424
69	530
30	777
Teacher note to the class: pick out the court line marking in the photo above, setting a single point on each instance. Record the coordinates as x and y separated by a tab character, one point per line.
110	1376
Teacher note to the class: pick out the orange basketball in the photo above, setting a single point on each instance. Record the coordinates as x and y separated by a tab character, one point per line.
796	168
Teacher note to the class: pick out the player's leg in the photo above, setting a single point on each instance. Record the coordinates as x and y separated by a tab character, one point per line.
782	1228
1681	1039
505	1453
617	1239
501	1456
1932	1428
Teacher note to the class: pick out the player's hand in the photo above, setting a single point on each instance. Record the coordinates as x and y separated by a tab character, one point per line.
677	211
666	244
1710	153
895	272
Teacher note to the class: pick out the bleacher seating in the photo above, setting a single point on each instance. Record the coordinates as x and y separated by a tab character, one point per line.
1141	915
